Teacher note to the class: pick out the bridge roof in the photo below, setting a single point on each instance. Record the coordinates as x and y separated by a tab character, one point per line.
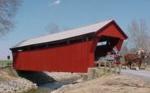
65	34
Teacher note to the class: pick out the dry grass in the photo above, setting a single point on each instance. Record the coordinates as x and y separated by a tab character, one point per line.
8	73
148	68
108	84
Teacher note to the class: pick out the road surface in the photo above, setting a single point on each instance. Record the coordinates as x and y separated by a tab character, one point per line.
145	75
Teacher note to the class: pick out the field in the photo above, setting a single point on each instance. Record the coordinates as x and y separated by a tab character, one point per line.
5	63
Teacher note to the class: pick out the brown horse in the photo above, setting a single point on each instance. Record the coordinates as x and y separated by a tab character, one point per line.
131	59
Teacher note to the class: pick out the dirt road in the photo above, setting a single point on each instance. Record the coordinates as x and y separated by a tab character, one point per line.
145	75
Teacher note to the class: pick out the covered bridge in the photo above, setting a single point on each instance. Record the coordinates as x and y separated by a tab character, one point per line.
70	51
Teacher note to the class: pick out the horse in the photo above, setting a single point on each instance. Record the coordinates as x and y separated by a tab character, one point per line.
134	59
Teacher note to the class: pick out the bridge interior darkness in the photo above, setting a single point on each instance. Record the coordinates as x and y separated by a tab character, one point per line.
104	45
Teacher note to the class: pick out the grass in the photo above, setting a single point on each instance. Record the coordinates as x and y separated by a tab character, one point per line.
11	71
5	63
40	90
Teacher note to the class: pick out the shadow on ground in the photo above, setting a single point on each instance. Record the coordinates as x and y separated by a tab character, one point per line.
37	77
46	83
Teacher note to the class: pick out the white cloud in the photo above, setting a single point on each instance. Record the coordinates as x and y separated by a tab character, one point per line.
55	2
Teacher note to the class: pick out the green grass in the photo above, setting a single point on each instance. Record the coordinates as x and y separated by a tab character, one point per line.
5	63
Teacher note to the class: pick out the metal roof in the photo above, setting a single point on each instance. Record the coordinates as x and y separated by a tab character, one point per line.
64	34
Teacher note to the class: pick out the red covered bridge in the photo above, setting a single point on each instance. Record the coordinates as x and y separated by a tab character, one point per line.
70	51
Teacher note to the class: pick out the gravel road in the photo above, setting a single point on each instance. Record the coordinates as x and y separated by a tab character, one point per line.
145	75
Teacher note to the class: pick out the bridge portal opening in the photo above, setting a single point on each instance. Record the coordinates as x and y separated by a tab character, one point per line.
104	45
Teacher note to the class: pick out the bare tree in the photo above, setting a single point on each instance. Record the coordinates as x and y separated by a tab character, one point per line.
138	34
124	48
8	10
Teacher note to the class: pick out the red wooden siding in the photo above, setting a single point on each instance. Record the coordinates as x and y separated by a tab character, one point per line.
119	44
112	31
75	57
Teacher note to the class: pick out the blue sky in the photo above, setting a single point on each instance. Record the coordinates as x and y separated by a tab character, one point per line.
34	16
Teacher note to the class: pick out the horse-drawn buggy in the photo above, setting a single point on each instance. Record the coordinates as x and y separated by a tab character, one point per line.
137	60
